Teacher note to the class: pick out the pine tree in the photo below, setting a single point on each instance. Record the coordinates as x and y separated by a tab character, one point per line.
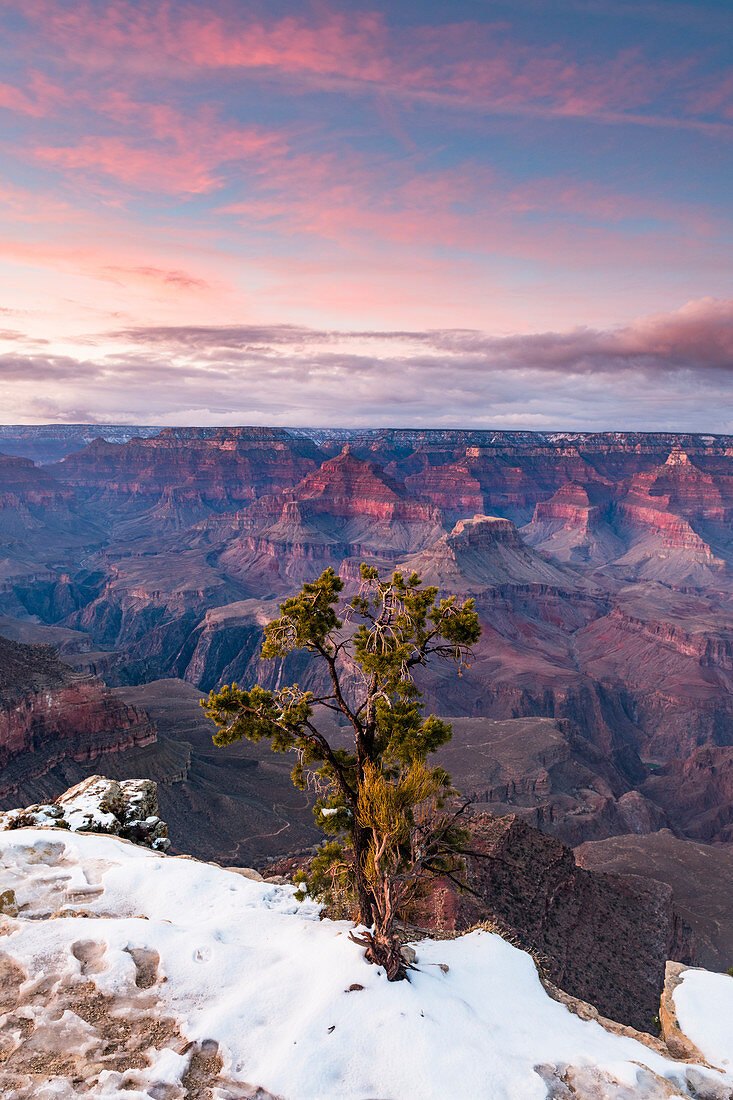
391	814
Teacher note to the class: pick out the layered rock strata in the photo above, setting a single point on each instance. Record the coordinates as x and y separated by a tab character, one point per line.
49	713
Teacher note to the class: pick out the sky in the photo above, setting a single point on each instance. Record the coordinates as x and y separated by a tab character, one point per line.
465	213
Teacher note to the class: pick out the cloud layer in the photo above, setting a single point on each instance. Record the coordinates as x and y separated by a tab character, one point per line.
667	372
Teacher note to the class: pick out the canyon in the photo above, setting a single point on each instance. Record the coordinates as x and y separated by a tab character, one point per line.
51	713
598	706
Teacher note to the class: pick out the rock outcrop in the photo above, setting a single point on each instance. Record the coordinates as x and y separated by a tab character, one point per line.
602	938
678	1044
348	510
575	525
699	875
128	809
486	552
696	1016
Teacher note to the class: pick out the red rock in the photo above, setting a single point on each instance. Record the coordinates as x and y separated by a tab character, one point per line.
346	509
50	713
22	485
451	486
211	469
587	612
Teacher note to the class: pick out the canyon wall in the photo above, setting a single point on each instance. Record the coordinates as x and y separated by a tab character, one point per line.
50	713
601	565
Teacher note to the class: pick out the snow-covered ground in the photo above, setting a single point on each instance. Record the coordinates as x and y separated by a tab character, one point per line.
704	1006
288	998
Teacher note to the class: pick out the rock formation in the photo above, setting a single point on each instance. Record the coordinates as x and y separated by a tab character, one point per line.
183	474
485	552
601	938
346	510
49	713
699	875
97	805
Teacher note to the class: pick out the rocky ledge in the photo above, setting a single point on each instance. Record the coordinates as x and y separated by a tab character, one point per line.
162	947
128	809
182	981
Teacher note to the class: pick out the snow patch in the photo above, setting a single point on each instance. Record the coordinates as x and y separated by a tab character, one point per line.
704	1005
289	998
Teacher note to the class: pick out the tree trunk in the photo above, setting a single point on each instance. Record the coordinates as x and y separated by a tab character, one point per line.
384	950
364	894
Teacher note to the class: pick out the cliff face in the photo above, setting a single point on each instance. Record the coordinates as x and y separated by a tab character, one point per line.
24	485
348	508
32	505
346	488
515	471
651	523
602	938
542	771
50	713
700	876
699	790
671	652
183	474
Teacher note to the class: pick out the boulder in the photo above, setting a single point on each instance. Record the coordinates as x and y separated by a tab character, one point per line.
128	809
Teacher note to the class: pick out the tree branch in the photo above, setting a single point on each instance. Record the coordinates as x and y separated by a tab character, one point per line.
338	694
320	740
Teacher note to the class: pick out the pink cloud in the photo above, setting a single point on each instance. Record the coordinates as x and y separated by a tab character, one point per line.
476	66
353	202
699	334
701	331
13	99
39	96
146	168
172	152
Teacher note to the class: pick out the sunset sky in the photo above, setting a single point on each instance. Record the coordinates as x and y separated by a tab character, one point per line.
435	213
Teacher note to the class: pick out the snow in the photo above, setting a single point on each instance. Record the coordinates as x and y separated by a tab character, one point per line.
704	1005
100	805
243	963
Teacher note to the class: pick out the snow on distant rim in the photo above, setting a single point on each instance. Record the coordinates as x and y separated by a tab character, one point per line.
248	966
